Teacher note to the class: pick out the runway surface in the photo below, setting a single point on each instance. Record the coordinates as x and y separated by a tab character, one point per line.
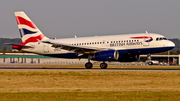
83	69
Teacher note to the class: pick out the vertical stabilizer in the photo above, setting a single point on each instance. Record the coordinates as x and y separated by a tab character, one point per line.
28	30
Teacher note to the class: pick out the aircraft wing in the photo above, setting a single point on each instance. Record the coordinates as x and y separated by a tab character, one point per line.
23	46
76	48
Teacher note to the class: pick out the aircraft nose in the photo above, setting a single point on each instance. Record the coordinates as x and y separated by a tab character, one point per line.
171	44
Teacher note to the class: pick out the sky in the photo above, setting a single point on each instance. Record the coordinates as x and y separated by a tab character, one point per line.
66	18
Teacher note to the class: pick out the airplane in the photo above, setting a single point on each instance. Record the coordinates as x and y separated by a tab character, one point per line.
121	48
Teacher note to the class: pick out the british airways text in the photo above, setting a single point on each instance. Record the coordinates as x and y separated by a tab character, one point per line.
125	44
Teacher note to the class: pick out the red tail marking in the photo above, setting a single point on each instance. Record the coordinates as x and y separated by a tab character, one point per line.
34	39
23	21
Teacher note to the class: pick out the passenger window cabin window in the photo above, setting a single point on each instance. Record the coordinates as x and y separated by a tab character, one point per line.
97	42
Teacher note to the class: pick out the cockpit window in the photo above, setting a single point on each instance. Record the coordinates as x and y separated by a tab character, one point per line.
161	38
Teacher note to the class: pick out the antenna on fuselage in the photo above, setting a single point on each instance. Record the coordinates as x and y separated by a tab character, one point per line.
75	36
146	32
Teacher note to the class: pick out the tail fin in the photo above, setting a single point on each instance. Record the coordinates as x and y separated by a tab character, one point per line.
28	30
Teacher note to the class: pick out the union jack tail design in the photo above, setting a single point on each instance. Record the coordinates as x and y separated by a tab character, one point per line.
28	30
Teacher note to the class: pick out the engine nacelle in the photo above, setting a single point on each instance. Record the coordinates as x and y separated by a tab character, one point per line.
110	55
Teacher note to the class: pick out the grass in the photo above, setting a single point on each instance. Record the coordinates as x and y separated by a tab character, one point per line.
89	96
88	81
89	85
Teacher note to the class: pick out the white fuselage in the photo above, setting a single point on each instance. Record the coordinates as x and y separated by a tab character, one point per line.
115	42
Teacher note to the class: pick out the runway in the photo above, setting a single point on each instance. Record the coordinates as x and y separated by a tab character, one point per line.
83	69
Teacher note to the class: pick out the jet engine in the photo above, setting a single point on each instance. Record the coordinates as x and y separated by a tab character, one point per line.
110	55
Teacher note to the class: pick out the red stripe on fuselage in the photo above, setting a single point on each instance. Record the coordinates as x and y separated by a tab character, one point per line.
142	37
23	21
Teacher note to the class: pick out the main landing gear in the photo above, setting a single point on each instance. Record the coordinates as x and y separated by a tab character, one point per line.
89	65
103	65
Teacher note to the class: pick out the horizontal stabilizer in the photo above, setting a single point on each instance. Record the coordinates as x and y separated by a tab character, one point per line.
18	45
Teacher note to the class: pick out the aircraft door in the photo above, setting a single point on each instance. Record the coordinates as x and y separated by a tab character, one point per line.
104	43
46	48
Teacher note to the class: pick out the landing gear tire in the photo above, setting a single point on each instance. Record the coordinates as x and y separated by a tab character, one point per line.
103	65
88	65
150	63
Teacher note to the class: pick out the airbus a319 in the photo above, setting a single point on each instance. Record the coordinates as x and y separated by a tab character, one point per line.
122	48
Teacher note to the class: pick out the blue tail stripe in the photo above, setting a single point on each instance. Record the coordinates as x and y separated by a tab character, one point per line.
25	31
